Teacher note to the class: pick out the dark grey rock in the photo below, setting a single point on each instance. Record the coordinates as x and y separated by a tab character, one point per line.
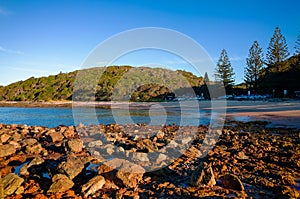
72	167
203	176
230	181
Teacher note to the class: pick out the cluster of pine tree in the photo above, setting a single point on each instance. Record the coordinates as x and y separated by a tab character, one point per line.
257	73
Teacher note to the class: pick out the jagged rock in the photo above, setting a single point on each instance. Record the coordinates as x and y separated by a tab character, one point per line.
147	145
69	132
160	134
1	184
75	145
4	137
140	157
93	185
270	166
16	137
193	152
186	140
11	182
96	143
230	181
161	157
241	156
127	194
36	148
72	167
172	144
203	176
28	141
286	192
20	190
61	183
15	143
6	150
55	136
35	161
13	126
122	172
130	174
120	149
109	148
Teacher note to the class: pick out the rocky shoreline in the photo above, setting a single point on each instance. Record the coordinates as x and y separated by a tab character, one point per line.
247	160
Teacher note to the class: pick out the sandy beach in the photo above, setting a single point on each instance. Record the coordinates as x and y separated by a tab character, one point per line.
279	113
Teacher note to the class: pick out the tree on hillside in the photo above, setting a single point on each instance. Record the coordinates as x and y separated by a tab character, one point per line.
254	66
224	72
278	49
297	46
206	78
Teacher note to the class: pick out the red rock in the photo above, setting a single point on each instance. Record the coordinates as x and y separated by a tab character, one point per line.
70	194
31	187
40	196
4	137
93	185
231	181
75	145
69	132
55	136
122	172
61	183
7	150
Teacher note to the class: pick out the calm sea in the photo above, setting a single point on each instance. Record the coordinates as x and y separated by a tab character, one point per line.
52	117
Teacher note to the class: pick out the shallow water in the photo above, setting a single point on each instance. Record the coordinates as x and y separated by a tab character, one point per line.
17	168
52	117
181	113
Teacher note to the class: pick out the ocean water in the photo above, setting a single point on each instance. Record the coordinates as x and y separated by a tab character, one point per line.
182	113
52	117
49	117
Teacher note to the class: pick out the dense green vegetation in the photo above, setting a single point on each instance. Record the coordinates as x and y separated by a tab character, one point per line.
273	75
254	66
282	76
54	87
104	84
224	71
274	79
281	71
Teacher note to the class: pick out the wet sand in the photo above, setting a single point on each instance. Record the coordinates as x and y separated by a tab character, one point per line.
284	114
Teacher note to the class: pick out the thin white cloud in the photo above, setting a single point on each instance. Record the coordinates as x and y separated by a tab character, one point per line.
5	50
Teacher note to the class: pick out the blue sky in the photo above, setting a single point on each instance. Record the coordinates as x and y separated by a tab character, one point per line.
39	38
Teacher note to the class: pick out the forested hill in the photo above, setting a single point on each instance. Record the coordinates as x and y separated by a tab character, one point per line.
60	86
282	76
